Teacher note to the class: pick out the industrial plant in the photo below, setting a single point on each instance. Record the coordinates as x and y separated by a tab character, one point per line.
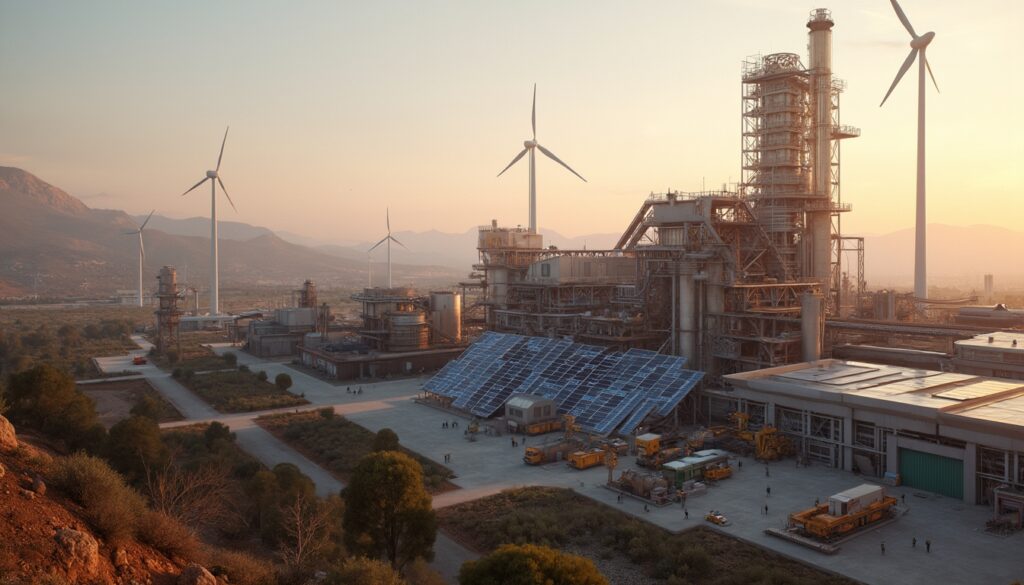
722	322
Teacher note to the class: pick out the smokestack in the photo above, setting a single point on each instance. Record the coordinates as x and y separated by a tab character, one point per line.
819	221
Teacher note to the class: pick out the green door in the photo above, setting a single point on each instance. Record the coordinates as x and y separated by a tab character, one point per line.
934	473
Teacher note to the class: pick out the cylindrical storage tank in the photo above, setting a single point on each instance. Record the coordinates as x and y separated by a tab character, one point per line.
812	326
446	316
408	331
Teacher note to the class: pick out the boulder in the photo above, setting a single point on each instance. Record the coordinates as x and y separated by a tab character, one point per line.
120	557
3	471
8	440
79	554
196	575
38	485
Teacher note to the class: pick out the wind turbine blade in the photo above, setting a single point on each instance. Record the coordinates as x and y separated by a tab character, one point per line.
399	243
387	218
533	116
514	161
552	156
223	142
132	233
384	239
142	248
194	186
225	190
903	18
899	76
143	226
930	74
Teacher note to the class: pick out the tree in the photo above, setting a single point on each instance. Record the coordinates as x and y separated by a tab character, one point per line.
528	564
388	512
199	497
261	376
385	440
311	532
363	570
134	446
147	406
217	431
283	381
45	398
230	359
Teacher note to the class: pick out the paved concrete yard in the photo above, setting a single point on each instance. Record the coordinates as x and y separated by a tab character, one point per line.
961	551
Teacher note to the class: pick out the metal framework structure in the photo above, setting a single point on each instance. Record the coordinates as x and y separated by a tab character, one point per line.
168	315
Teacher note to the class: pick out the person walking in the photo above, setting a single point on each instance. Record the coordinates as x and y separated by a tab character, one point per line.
883	548
903	499
686	514
766	472
646	509
913	542
768	490
766	509
928	545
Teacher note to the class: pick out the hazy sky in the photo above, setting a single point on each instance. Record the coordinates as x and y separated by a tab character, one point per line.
338	109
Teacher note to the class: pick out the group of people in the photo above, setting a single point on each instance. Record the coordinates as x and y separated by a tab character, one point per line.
450	425
349	390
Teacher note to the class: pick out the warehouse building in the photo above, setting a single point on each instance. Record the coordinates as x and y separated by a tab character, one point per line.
954	434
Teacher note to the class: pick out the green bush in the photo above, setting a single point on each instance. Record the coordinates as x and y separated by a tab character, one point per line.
230	359
46	399
109	505
244	368
261	376
169	536
176	373
283	381
134	445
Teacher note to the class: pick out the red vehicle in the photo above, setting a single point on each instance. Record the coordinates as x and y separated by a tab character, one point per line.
139	360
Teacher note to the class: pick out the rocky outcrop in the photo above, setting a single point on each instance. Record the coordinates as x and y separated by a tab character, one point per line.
196	575
8	440
79	554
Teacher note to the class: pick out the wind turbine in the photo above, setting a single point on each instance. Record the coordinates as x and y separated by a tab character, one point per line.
388	238
142	249
918	44
530	146
214	178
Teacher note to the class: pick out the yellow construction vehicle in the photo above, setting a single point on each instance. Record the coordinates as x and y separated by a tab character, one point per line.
771	445
648	444
844	512
586	459
717	471
659	458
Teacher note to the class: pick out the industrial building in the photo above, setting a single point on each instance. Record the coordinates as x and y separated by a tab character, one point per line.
402	333
286	331
955	434
717	277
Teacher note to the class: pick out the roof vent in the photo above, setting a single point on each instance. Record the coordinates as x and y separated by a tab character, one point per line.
991	339
1014	343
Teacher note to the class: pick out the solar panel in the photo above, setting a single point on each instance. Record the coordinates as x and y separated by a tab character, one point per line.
602	388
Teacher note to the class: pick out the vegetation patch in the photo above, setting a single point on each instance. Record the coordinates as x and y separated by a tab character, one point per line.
561	518
194	352
337	444
119	399
66	339
239	391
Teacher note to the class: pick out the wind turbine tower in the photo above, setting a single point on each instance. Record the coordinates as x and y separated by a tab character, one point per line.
214	178
530	146
142	250
918	44
388	239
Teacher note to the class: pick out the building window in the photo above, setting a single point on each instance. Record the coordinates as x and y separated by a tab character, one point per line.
545	270
864	434
992	462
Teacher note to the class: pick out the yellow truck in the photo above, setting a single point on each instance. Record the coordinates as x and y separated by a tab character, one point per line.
548	452
844	512
586	459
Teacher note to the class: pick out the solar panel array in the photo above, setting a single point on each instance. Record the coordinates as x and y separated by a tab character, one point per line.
603	389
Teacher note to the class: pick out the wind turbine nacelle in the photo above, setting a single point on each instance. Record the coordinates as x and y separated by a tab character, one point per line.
530	143
922	41
211	174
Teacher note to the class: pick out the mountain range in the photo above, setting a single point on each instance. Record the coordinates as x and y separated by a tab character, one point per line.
52	244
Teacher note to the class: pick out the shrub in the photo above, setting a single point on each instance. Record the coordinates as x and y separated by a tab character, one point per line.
169	536
230	358
364	570
46	399
217	432
261	376
240	568
385	440
176	373
147	406
530	565
244	368
110	506
172	356
283	381
327	413
134	444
